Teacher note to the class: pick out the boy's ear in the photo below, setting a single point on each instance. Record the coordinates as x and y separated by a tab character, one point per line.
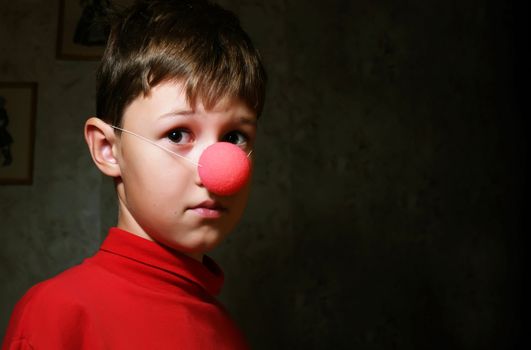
101	142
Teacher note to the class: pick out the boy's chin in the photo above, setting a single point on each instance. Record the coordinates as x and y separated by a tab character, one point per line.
195	246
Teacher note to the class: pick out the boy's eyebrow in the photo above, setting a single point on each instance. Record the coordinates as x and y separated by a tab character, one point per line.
188	112
248	120
177	112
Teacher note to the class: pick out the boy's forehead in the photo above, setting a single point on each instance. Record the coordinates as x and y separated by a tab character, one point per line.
169	99
201	103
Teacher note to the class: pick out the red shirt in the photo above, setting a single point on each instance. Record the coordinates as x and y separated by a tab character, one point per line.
132	294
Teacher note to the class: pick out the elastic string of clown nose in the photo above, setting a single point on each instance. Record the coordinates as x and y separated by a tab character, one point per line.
156	144
224	168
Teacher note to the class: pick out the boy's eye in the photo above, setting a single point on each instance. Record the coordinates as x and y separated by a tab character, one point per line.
236	137
179	136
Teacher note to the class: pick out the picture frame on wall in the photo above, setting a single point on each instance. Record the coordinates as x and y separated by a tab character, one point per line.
18	103
82	29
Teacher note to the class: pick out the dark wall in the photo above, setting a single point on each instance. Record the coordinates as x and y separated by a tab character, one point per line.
404	148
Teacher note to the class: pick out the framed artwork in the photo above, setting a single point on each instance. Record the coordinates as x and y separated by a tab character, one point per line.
82	30
18	102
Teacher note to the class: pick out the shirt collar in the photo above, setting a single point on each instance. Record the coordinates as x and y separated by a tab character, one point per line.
207	275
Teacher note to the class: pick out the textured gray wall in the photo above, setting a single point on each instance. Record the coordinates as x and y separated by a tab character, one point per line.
386	205
55	222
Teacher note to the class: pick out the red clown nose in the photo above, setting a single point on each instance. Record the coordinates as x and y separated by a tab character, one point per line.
224	168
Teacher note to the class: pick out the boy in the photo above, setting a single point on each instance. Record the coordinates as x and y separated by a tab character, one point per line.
177	76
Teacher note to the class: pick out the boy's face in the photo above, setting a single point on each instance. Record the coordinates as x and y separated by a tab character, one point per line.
161	196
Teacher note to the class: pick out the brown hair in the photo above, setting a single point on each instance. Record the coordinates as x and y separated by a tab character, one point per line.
196	42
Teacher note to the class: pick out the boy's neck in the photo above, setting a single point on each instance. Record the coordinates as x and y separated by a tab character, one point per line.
127	223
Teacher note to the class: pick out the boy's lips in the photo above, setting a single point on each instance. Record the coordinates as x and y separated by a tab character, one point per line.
209	209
